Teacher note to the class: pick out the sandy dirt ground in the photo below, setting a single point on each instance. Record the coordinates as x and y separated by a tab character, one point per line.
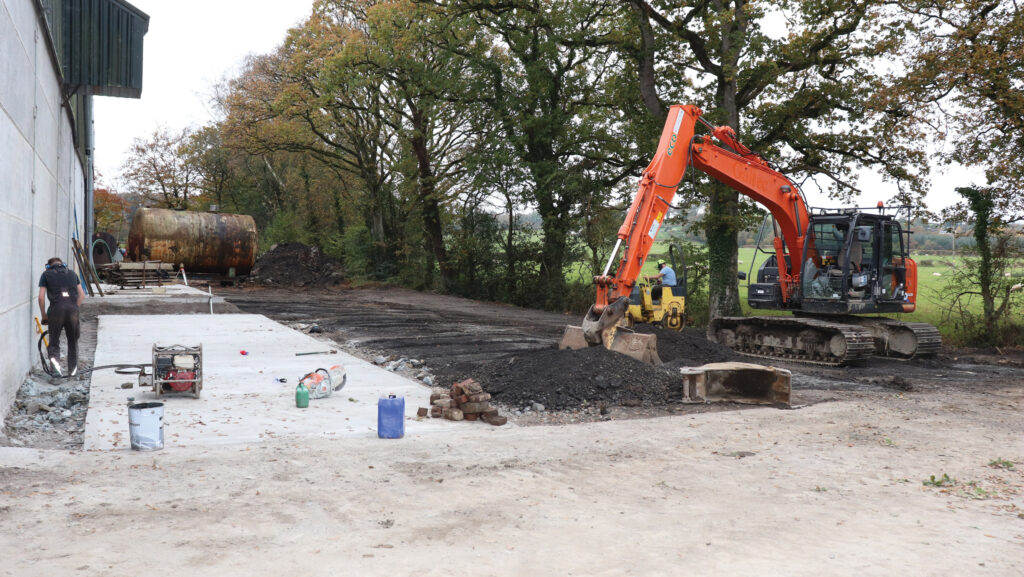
832	489
836	486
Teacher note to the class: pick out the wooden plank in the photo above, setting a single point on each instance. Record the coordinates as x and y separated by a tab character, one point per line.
81	267
89	271
147	265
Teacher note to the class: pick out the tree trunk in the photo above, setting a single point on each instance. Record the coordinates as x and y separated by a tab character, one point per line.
510	260
645	63
552	273
981	205
723	250
723	210
429	206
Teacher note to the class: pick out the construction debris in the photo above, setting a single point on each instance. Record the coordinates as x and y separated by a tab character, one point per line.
47	414
466	400
137	274
737	382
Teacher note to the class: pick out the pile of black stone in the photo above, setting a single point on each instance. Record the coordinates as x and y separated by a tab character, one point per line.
299	265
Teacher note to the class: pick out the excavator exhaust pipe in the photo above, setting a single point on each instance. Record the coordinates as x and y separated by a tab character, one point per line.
602	328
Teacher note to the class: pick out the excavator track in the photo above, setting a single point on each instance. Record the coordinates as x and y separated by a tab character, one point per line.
804	340
898	339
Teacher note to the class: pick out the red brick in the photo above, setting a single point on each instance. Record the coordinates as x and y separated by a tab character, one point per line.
443	403
453	414
497	421
471	387
475	407
479	397
436	412
461	400
492	412
422	412
471	416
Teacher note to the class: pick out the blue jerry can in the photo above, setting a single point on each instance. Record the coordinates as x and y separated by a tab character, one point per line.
391	417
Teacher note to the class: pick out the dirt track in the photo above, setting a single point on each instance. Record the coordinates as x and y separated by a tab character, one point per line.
458	337
440	330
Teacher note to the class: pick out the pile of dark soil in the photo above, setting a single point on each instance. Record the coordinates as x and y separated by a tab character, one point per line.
567	379
689	347
296	264
562	380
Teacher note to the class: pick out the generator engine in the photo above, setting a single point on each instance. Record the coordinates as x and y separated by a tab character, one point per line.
177	369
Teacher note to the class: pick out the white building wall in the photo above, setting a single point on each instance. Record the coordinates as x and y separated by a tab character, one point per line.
42	185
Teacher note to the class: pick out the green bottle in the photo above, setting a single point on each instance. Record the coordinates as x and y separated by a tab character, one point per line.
301	396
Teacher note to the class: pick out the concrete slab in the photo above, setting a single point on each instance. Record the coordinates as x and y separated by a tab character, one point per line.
175	292
241	401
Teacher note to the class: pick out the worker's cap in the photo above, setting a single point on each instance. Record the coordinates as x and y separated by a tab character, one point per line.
661	261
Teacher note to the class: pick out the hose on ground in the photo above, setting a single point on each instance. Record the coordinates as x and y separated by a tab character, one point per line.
119	368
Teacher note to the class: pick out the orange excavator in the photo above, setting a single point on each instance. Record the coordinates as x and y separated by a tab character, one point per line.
827	266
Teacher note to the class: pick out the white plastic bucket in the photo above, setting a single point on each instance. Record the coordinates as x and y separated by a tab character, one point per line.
146	426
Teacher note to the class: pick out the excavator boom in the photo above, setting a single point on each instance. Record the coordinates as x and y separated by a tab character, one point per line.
679	148
888	284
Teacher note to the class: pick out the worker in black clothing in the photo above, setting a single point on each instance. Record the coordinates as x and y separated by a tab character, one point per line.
61	286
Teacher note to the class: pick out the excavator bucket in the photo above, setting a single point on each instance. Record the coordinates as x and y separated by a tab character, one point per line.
643	348
738	383
602	328
573	339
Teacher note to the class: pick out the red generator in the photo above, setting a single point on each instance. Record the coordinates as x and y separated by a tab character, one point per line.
177	369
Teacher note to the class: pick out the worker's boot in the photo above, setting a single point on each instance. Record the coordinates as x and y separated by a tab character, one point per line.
55	367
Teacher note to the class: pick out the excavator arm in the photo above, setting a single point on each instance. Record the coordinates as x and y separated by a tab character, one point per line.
732	164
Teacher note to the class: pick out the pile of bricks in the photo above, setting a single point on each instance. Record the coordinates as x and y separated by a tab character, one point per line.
464	401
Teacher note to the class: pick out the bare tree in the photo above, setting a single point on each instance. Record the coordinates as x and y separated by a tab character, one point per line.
160	170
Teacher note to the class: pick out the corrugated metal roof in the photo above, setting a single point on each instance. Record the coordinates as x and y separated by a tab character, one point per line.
101	46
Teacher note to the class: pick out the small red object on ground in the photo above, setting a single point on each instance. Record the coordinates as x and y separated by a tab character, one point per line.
243	352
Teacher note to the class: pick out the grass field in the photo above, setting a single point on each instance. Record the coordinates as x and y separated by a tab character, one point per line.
933	272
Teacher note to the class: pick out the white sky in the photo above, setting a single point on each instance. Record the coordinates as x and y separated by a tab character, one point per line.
192	45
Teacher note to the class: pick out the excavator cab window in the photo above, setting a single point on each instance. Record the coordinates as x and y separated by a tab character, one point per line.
893	271
822	276
860	258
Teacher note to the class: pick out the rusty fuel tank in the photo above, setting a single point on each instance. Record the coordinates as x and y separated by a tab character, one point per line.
202	241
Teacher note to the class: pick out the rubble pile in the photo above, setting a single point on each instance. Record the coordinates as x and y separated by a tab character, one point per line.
297	264
466	400
413	368
48	415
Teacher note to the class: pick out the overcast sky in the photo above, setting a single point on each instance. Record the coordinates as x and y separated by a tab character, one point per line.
192	45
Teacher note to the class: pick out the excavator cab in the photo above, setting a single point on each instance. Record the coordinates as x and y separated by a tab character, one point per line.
855	262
